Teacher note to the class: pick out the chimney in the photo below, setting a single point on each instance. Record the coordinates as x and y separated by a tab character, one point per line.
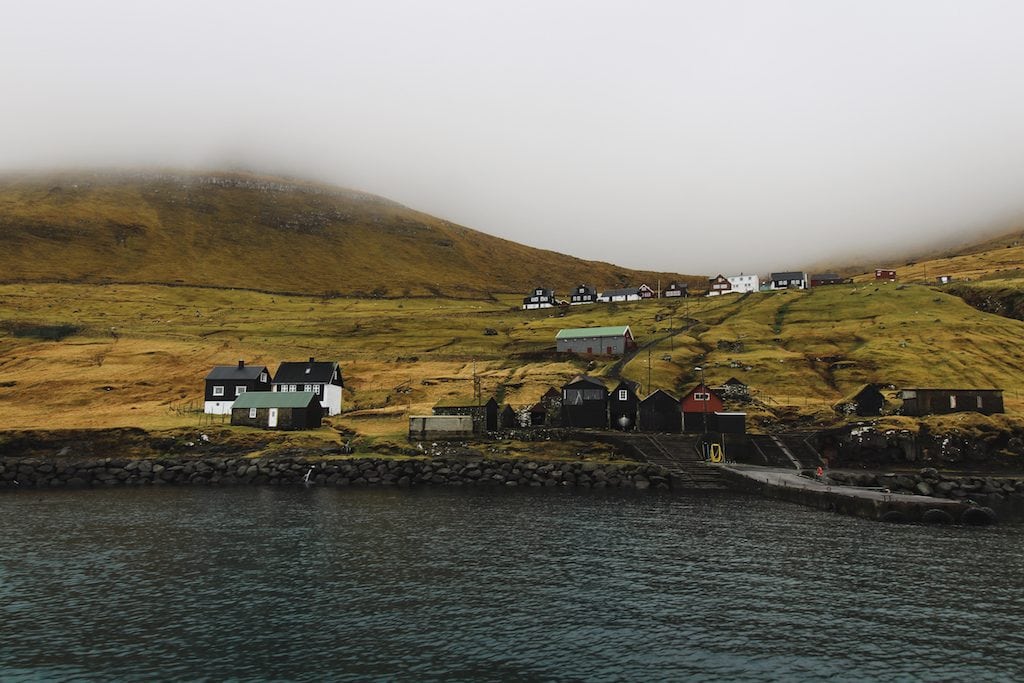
311	359
241	363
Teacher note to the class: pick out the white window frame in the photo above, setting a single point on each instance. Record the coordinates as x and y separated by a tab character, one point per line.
623	395
979	401
252	413
239	391
218	390
263	377
291	387
701	396
316	389
952	401
308	387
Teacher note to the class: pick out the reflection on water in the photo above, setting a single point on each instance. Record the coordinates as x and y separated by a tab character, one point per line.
443	584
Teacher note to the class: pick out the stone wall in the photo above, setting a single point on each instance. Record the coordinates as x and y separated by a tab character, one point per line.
930	482
20	473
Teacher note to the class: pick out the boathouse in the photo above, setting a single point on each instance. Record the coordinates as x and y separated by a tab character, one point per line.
918	401
623	406
697	405
227	382
277	410
660	412
585	403
484	414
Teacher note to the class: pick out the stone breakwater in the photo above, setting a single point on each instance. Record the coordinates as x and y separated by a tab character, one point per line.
931	482
20	473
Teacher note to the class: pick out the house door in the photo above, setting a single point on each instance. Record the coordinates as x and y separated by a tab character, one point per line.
272	417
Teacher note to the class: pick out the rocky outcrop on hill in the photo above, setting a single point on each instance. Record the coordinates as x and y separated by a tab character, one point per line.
868	447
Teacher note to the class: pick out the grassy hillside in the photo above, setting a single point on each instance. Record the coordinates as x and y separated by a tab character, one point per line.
263	233
118	355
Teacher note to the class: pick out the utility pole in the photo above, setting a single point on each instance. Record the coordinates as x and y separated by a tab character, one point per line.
648	369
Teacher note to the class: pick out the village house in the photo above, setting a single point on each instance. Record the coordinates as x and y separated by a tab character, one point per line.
824	279
623	404
608	341
866	401
788	280
277	410
944	279
323	378
585	403
918	401
539	298
660	412
745	283
885	274
583	294
719	285
225	383
676	289
620	295
697	405
646	292
484	413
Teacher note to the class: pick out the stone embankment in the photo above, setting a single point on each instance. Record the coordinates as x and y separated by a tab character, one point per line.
16	473
987	490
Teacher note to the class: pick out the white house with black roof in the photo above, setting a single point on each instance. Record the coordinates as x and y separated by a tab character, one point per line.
788	280
225	383
323	378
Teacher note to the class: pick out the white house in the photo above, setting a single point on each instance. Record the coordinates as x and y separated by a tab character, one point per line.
745	283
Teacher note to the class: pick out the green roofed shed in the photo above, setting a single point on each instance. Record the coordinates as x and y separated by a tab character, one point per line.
606	341
278	410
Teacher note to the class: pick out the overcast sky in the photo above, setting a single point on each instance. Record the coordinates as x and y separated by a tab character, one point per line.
686	136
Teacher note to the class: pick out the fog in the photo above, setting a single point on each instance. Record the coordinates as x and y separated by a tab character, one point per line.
687	136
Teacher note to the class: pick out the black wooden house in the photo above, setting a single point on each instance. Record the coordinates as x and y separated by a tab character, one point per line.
277	410
585	403
623	406
225	383
661	412
583	294
676	289
323	378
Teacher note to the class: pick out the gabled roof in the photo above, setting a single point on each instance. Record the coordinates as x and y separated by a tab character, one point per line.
790	275
590	288
826	276
702	388
732	381
586	332
627	384
655	395
233	372
678	285
296	372
275	399
588	379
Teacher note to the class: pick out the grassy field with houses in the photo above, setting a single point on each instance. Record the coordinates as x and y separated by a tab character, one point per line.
76	355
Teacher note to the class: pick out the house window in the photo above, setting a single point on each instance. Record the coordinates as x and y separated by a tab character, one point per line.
273	388
308	387
252	413
316	389
239	391
291	387
979	402
623	395
952	401
218	391
701	396
263	377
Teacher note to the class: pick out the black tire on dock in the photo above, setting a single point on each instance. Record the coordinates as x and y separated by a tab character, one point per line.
894	517
937	516
978	516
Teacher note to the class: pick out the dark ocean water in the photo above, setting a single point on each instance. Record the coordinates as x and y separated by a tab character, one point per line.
494	585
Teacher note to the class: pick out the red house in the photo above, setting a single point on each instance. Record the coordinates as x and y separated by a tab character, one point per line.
885	274
698	403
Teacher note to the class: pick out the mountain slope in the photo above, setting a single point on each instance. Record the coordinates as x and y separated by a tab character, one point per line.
263	233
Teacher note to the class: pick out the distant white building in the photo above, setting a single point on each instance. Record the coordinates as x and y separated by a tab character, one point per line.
745	283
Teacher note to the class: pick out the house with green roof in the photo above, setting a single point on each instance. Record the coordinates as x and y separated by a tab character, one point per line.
277	410
595	341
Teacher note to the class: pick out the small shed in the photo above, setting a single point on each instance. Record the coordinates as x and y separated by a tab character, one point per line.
866	401
277	410
439	427
585	403
485	415
507	418
547	412
660	412
917	402
623	406
944	279
885	274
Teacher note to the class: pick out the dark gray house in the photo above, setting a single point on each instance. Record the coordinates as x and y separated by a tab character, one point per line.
661	412
585	403
600	341
918	402
277	410
676	289
623	406
541	297
619	295
583	294
227	382
323	378
787	280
